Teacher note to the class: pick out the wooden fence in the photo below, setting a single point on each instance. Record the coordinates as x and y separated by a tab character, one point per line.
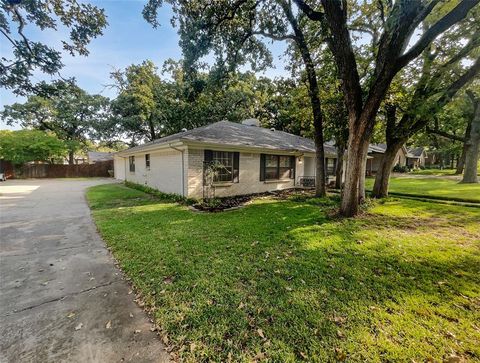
99	169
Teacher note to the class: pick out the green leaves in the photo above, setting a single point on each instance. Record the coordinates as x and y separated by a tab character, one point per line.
65	110
30	145
85	22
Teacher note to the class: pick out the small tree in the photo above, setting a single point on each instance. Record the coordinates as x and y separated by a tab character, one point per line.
64	109
24	146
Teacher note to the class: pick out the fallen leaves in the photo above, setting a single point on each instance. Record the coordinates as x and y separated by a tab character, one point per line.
260	333
108	325
340	354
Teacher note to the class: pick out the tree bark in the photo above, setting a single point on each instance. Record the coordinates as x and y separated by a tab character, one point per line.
473	147
151	127
382	178
71	157
339	167
461	161
314	95
354	167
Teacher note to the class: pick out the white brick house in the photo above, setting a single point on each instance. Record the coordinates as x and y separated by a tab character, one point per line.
225	158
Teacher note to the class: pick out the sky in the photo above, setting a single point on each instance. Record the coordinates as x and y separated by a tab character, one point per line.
128	39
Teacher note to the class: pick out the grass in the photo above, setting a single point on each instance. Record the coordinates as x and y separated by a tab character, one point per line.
437	172
281	281
432	187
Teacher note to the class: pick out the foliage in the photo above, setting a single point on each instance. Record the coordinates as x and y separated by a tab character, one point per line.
64	109
151	105
84	21
30	145
281	281
401	168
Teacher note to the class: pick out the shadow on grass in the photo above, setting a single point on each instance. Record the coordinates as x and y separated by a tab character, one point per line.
282	281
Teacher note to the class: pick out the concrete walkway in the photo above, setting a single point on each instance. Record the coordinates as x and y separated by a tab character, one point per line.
61	297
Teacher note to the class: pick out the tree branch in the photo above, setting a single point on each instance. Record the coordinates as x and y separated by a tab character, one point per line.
453	17
308	11
273	36
447	135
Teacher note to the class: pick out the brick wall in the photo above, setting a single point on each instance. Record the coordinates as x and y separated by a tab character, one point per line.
249	176
165	172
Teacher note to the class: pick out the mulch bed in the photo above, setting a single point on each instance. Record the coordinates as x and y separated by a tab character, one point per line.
235	202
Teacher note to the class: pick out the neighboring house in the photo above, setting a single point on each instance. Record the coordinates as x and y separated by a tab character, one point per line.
223	159
416	158
375	155
96	156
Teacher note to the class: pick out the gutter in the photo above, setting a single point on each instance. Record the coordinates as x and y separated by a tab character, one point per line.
183	166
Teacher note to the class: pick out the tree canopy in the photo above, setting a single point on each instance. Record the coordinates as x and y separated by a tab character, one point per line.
84	21
64	109
30	145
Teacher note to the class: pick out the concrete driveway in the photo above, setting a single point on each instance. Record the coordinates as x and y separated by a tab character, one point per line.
61	298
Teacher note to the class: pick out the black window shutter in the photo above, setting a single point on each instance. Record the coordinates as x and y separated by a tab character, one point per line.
208	155
293	166
262	167
236	166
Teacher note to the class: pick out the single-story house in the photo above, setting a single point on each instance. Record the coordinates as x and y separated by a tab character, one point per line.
97	156
416	157
223	159
375	155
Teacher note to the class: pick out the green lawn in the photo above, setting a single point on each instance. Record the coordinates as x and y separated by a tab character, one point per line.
432	187
281	281
437	172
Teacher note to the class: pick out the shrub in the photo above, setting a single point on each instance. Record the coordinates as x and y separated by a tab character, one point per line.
401	169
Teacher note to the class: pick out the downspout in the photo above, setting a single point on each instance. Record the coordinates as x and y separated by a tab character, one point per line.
183	166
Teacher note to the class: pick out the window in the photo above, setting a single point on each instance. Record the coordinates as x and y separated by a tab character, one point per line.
224	166
147	161
131	162
277	167
223	163
330	164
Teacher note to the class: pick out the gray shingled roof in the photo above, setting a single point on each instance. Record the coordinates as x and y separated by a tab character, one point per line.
99	156
236	134
377	148
416	152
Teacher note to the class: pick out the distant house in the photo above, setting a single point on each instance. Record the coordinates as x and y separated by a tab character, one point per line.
96	156
417	157
375	155
226	157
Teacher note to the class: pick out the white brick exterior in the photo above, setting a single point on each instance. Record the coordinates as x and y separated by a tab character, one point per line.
119	167
166	174
249	176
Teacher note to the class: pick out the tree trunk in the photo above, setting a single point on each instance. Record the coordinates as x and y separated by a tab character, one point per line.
354	167
314	95
339	167
71	157
461	160
382	178
473	148
151	127
363	175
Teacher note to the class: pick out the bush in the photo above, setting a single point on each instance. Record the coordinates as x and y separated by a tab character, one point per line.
401	169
